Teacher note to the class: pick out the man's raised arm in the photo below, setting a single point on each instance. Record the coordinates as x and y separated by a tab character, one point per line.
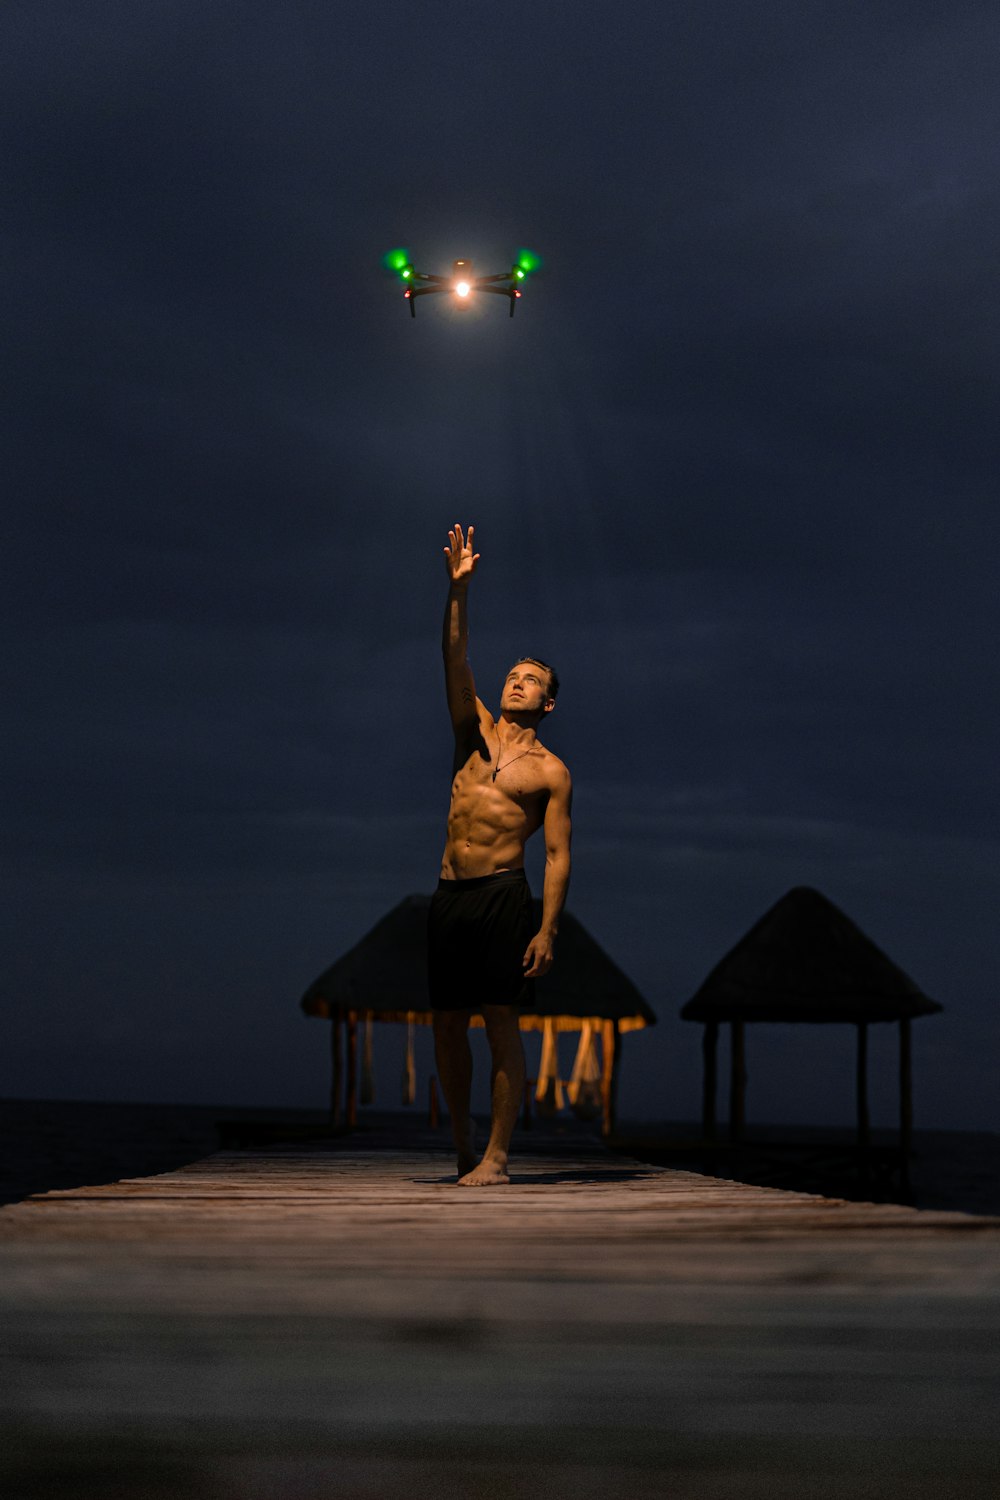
460	561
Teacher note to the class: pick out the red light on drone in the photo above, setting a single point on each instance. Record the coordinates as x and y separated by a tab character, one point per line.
407	292
517	294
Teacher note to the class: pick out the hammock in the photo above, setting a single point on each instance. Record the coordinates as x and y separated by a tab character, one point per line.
584	1087
549	1099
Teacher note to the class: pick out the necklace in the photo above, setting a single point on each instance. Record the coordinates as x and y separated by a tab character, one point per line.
498	768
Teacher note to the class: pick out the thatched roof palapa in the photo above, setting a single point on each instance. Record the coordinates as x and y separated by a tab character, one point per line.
384	978
806	961
385	975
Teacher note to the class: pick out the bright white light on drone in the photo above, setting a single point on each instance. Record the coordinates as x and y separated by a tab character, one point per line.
462	288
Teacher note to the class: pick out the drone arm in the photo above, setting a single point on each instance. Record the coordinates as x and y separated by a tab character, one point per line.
426	291
500	282
509	291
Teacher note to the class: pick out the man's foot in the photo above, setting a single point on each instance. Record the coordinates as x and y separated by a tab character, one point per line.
487	1174
468	1156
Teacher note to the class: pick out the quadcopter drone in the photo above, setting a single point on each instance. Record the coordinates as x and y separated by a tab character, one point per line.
461	283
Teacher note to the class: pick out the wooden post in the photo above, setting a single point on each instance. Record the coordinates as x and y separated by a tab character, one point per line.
367	1061
337	1064
610	1060
352	1069
616	1070
709	1052
409	1079
737	1081
864	1130
905	1093
434	1118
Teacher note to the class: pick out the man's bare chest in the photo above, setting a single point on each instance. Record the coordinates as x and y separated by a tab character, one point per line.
515	780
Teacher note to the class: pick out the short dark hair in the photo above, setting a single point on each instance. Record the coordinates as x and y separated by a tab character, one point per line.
536	661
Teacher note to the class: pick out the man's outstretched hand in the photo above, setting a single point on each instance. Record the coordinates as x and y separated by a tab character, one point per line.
538	956
459	558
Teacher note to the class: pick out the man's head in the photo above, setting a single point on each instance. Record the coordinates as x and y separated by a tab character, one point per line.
530	687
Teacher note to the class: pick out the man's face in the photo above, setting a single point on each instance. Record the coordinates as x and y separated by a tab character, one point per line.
526	690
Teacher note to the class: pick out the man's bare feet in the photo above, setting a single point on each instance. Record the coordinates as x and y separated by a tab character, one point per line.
489	1173
467	1153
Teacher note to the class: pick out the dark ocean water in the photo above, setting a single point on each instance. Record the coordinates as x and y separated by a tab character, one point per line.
948	1169
51	1143
61	1144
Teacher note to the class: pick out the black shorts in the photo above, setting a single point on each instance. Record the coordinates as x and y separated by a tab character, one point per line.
477	933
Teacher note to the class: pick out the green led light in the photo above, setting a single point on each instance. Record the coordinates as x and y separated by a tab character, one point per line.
528	261
396	260
519	273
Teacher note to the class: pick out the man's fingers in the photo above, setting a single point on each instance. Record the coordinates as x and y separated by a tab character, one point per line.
458	538
459	549
535	967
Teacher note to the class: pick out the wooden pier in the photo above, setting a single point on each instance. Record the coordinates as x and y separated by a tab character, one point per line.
311	1322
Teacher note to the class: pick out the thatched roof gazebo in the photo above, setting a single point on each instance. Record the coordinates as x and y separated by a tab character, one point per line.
806	961
384	978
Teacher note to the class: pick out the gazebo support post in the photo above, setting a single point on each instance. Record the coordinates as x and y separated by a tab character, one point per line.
737	1081
610	1063
337	1066
864	1130
710	1058
352	1069
905	1097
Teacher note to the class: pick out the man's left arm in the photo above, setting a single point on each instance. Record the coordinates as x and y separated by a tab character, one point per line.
557	830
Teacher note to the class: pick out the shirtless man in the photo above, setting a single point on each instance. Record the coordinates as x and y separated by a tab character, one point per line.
483	949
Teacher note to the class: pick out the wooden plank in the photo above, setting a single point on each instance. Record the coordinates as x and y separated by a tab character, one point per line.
339	1322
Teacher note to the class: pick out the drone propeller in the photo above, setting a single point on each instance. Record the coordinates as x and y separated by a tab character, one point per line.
526	264
398	262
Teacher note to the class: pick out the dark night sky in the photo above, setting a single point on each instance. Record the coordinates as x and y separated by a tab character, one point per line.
732	467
